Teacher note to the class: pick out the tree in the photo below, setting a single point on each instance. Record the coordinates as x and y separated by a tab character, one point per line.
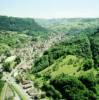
51	91
88	64
89	81
7	67
18	60
41	63
70	87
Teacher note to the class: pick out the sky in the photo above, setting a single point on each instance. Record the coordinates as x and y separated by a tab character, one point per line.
50	8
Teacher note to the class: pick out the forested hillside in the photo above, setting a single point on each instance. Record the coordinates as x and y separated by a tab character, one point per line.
69	70
19	24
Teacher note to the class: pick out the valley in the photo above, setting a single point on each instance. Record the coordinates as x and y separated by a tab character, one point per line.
49	59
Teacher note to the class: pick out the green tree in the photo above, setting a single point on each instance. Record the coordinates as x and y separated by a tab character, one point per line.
89	81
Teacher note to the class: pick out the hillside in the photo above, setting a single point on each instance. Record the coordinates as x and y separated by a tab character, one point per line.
19	24
18	32
70	62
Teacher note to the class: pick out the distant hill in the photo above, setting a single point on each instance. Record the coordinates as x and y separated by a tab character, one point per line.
19	24
70	25
65	21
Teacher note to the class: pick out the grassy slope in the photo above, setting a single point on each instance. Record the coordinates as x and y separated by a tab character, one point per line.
70	65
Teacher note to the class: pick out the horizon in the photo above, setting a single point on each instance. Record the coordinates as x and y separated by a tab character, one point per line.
50	9
52	17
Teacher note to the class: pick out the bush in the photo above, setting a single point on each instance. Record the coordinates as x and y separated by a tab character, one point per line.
18	60
90	95
89	81
41	63
70	87
8	53
97	78
88	64
1	74
51	92
1	85
7	67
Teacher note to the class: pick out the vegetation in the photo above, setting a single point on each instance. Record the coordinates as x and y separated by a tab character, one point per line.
1	85
68	70
89	81
71	88
10	63
9	40
78	46
19	24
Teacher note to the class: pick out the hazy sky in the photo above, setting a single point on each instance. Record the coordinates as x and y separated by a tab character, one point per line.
50	8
